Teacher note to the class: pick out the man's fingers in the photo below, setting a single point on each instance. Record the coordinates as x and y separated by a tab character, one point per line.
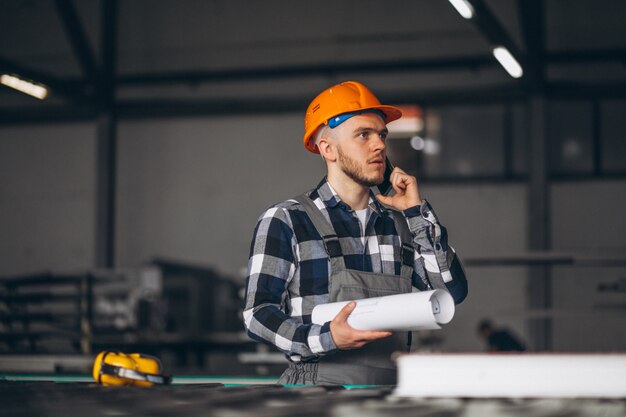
400	180
345	336
385	199
344	313
369	335
364	338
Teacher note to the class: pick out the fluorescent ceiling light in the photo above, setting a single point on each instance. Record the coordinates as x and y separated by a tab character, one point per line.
508	61
27	87
464	8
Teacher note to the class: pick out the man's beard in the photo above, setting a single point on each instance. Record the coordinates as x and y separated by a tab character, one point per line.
354	171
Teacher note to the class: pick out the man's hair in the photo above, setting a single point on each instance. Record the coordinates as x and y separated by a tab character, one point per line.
323	130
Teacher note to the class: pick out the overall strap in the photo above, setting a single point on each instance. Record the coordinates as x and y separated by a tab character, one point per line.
406	239
326	231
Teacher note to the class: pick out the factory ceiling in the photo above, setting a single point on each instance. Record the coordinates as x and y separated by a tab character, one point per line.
166	58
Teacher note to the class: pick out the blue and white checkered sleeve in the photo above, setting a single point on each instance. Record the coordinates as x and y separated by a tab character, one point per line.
434	258
271	266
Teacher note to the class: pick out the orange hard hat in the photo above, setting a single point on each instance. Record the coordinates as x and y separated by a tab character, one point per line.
346	97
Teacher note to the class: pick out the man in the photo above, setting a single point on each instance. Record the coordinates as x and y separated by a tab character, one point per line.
337	242
499	340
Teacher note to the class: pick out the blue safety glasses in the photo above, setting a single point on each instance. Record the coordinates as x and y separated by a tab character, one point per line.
337	120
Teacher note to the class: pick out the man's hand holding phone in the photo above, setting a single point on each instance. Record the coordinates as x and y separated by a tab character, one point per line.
405	186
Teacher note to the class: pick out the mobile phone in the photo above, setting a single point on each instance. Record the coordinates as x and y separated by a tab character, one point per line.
385	187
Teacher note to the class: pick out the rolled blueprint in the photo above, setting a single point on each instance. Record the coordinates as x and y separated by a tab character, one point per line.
402	312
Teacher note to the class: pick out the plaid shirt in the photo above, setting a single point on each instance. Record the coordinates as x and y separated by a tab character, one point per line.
288	269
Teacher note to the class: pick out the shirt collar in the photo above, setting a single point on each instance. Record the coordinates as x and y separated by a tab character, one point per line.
330	198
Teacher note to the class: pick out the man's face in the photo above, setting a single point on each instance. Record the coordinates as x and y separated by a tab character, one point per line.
361	148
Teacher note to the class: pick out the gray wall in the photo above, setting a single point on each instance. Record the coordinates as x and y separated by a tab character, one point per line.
589	218
46	198
484	220
193	188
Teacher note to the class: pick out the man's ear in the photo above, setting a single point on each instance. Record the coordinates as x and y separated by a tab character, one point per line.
327	150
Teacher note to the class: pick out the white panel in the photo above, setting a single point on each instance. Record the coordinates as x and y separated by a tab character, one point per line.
512	376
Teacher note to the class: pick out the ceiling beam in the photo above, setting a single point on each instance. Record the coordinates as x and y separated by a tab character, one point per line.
491	29
48	114
327	69
159	108
586	56
107	78
77	38
472	62
532	17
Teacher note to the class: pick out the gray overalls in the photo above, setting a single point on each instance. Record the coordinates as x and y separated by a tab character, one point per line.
371	364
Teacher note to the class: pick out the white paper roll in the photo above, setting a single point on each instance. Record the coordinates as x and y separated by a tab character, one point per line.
402	312
512	375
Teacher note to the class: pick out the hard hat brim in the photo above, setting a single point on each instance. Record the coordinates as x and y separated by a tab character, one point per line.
391	113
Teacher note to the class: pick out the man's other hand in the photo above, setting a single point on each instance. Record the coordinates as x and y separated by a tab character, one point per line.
407	191
347	337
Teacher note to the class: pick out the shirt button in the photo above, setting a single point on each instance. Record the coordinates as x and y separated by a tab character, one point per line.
437	246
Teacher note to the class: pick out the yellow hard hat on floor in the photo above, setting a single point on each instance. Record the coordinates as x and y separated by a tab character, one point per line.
136	369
